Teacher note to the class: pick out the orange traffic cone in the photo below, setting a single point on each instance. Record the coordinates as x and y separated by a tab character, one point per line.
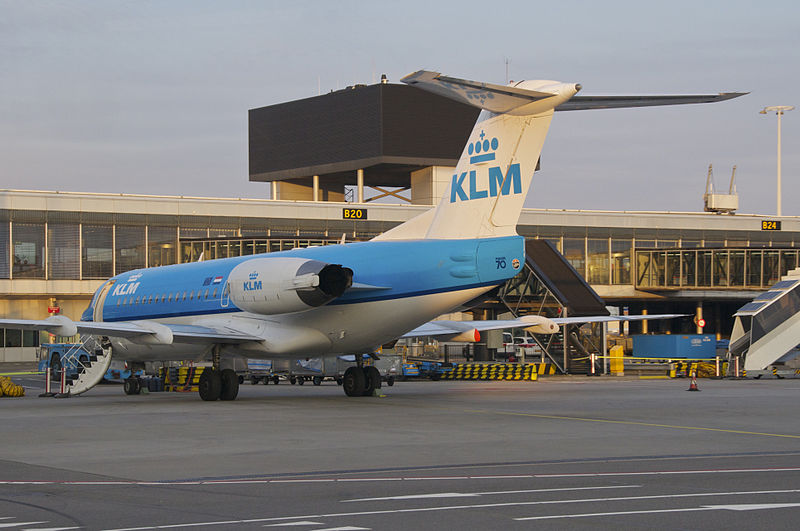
693	385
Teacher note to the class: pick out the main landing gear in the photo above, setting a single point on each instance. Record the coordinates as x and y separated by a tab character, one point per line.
361	381
216	384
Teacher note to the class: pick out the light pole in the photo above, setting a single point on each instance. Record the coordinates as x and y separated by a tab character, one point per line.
779	110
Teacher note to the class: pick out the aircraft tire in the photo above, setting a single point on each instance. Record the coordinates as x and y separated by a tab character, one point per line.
55	367
132	386
210	385
354	382
230	385
372	380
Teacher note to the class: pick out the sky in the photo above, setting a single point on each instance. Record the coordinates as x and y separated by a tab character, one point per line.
151	97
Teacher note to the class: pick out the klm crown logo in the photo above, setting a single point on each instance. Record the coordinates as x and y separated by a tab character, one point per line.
482	151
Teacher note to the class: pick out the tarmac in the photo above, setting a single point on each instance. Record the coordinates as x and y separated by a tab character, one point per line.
576	452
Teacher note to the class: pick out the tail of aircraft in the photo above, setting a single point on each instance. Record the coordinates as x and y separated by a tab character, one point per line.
495	171
492	178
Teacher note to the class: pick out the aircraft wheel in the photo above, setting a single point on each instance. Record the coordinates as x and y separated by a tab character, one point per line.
132	386
354	381
210	385
55	367
230	384
317	380
372	380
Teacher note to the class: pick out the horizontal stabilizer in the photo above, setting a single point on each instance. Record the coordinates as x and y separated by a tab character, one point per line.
495	98
581	103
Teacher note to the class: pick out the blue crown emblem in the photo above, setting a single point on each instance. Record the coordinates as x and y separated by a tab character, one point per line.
482	150
254	275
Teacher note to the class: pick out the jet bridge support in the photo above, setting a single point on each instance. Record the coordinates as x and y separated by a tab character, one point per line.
768	328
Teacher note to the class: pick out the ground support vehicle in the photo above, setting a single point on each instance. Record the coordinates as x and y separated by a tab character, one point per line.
74	357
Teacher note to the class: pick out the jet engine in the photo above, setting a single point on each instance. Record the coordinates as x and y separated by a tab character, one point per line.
269	286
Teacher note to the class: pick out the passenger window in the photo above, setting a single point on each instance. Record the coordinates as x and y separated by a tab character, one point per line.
191	295
150	300
184	295
169	299
206	294
214	294
137	299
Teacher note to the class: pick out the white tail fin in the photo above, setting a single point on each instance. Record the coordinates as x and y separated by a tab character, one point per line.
495	171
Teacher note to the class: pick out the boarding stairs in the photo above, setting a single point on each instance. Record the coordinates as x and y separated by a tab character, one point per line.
766	330
548	285
92	359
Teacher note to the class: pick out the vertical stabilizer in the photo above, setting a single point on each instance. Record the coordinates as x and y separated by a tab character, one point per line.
494	173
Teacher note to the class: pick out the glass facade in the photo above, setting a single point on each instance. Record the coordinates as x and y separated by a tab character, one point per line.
713	268
71	245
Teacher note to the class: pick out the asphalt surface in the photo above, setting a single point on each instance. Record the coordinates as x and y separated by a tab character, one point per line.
573	452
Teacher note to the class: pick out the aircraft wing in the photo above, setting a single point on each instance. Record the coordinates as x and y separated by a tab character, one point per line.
580	103
466	330
134	330
470	330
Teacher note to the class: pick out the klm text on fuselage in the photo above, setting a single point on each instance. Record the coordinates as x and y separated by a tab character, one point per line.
498	183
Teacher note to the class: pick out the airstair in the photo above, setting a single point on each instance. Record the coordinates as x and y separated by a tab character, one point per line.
91	359
550	286
767	329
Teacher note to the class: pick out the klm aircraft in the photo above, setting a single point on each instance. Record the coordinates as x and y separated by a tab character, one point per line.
352	298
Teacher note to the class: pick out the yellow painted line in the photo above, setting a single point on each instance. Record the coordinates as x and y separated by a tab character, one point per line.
654	377
19	373
632	423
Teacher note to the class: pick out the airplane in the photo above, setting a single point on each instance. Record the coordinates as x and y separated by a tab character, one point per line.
351	298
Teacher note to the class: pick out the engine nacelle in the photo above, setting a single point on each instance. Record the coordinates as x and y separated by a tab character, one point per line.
270	286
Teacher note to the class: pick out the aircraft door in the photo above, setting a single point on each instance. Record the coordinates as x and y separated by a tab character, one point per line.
97	314
226	295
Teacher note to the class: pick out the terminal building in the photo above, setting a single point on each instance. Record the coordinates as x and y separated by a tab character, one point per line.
323	156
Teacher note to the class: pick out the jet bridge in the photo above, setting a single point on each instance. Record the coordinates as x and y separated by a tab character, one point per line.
768	328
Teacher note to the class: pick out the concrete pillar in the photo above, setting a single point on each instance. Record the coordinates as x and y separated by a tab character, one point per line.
273	190
360	185
315	188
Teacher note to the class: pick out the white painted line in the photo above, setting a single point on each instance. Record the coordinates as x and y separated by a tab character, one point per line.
619	513
290	524
49	528
741	507
491	493
457	507
18	524
754	506
345	528
418	497
668	472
